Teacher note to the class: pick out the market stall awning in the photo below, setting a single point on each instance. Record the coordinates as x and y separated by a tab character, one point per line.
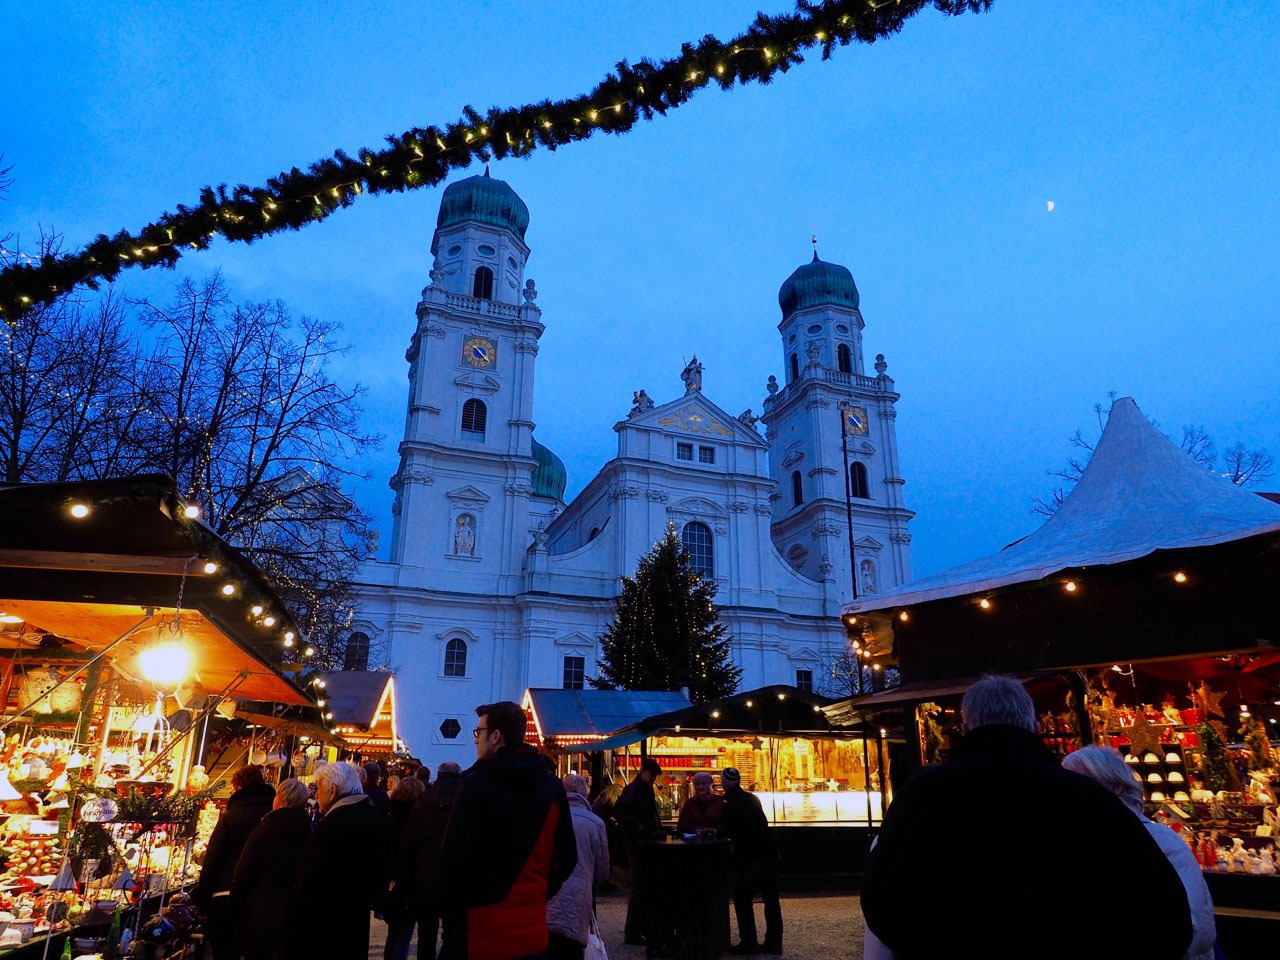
1139	493
87	560
595	713
363	705
615	742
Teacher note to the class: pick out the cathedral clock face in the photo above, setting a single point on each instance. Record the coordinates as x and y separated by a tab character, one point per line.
479	352
855	420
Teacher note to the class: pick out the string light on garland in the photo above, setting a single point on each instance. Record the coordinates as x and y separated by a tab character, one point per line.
1069	586
210	567
191	511
228	589
1179	577
631	93
79	510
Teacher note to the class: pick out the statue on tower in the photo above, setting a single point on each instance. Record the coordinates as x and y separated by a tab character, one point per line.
692	376
530	292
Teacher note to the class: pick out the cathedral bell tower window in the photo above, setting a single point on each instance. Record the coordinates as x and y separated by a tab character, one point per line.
795	367
475	418
797	488
482	284
844	358
859	489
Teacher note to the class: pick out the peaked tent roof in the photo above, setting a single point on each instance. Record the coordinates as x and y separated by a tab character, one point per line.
356	695
1139	493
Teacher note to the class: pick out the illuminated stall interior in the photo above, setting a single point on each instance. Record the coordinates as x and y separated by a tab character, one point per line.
804	768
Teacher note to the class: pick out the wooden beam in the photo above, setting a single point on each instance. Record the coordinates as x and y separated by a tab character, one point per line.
98	562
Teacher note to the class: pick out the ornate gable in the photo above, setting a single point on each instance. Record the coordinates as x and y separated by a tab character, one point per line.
694	416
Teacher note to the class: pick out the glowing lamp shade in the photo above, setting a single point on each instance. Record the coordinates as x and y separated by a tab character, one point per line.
166	664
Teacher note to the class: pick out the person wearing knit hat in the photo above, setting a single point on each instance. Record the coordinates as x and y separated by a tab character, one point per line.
755	859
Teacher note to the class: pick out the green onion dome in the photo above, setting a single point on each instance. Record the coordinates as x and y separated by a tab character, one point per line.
483	200
818	284
549	476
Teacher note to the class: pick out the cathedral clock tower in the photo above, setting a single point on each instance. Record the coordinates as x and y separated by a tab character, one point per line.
826	393
465	484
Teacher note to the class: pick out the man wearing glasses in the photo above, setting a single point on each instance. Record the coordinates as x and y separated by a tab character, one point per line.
508	847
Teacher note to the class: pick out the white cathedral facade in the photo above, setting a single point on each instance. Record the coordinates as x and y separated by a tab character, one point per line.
495	584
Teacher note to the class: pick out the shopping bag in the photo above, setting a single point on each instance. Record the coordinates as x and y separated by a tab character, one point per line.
595	945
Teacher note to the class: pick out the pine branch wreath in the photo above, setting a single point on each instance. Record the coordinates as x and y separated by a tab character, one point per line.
424	156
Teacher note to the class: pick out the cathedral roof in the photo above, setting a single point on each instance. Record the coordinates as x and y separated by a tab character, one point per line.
485	200
549	476
817	284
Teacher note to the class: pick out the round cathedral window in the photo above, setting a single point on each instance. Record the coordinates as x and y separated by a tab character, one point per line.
454	250
485	250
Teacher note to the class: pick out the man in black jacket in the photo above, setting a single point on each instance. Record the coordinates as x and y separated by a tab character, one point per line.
1001	853
509	845
637	813
250	801
755	860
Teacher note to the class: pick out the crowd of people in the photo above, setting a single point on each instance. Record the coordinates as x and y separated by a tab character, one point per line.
499	863
998	853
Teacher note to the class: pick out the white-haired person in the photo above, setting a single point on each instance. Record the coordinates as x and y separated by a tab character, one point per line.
569	911
268	870
1107	767
1010	851
340	874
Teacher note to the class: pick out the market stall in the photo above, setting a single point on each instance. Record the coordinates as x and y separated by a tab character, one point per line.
1140	615
360	710
130	637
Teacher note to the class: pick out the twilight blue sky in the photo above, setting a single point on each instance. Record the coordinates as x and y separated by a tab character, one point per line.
924	163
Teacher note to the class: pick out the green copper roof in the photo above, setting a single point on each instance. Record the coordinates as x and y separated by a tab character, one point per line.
549	476
818	284
483	200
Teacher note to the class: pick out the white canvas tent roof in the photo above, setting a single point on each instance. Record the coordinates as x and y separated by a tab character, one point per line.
1139	493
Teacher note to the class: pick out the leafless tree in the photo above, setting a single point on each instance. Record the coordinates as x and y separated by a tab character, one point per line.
1240	465
233	400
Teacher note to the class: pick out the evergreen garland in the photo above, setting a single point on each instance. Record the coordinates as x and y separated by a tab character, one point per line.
424	156
666	634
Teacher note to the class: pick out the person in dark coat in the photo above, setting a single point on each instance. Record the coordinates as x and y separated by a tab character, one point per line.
417	875
268	869
509	845
373	789
1000	854
704	811
399	918
326	917
637	814
755	860
250	801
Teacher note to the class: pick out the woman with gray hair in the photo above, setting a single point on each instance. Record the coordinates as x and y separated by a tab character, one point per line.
569	911
340	873
268	869
1108	768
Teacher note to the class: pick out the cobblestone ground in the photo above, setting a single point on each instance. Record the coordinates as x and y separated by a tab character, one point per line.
816	927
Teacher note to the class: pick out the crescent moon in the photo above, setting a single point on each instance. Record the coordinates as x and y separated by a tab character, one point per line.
1049	206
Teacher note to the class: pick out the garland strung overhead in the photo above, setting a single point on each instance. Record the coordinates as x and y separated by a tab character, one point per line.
424	157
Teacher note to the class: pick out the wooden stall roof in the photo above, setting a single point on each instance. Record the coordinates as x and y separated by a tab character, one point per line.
90	578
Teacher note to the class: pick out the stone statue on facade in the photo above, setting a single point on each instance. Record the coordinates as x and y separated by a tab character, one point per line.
641	402
437	273
692	376
464	536
812	350
748	418
881	366
530	292
868	585
772	385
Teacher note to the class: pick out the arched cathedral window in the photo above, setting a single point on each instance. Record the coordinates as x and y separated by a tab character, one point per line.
482	284
844	358
795	367
455	658
797	488
858	486
475	418
356	655
696	538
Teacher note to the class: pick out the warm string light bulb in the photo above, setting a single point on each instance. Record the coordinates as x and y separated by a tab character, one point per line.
984	603
228	589
191	511
79	510
210	567
1180	577
1069	586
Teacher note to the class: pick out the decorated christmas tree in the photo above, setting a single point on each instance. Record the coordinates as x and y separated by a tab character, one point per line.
667	633
1215	768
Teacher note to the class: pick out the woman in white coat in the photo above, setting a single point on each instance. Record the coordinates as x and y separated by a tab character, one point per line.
569	911
1106	766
